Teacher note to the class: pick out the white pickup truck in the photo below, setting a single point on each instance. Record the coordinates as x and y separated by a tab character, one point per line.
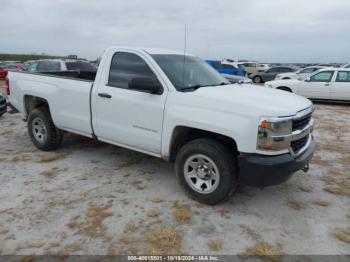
176	107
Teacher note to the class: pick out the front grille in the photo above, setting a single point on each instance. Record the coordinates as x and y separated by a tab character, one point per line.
301	123
299	144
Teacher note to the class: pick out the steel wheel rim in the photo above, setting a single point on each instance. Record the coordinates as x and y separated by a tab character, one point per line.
201	174
39	130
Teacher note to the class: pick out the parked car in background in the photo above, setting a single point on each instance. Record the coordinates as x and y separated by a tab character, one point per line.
330	65
28	63
249	67
3	104
299	74
346	66
10	67
56	65
146	100
228	69
3	72
234	79
264	67
325	84
270	74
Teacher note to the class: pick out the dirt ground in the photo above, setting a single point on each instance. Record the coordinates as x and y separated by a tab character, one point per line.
94	198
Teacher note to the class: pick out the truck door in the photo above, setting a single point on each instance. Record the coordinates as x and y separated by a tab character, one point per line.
124	116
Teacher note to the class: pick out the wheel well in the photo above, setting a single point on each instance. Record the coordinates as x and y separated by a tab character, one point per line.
285	88
285	78
183	134
32	102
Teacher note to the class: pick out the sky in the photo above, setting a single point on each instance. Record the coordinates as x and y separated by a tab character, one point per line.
262	30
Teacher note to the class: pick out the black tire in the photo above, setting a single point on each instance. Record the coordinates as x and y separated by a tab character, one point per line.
257	79
284	88
225	162
53	136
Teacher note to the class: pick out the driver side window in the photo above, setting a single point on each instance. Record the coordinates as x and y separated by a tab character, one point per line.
325	76
125	67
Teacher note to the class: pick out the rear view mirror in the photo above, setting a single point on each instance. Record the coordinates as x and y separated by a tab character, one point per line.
145	84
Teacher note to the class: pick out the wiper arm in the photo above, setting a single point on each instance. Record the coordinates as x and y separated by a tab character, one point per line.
190	88
195	87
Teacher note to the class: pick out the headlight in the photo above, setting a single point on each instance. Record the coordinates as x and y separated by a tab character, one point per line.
271	132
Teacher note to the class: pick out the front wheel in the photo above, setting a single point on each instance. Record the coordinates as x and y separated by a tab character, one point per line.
42	130
207	170
257	79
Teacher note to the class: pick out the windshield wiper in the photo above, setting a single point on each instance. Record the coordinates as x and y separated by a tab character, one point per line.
195	87
191	88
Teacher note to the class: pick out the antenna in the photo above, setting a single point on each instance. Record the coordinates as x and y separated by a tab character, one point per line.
184	62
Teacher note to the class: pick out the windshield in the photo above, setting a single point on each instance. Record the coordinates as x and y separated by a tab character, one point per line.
186	72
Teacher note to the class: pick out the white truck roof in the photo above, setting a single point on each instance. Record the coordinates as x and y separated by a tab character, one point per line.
152	51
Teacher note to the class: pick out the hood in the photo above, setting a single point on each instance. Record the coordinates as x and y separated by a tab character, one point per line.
251	100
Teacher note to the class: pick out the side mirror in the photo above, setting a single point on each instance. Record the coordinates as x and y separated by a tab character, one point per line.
307	79
145	84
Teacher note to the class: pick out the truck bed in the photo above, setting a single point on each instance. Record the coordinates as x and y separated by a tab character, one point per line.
74	74
67	93
78	75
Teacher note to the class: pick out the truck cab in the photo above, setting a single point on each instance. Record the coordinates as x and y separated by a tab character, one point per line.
174	106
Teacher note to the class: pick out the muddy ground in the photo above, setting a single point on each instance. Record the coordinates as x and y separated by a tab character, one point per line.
94	198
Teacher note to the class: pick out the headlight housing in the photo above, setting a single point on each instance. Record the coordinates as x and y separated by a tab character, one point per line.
271	133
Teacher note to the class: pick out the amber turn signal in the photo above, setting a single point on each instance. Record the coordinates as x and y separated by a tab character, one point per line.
265	124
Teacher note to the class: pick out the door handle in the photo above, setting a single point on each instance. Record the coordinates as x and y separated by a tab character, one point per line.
105	95
326	84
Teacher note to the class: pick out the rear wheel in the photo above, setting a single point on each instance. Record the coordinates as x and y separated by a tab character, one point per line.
257	79
207	170
42	130
284	88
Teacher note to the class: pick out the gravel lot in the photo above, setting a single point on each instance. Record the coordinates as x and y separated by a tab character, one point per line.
94	198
